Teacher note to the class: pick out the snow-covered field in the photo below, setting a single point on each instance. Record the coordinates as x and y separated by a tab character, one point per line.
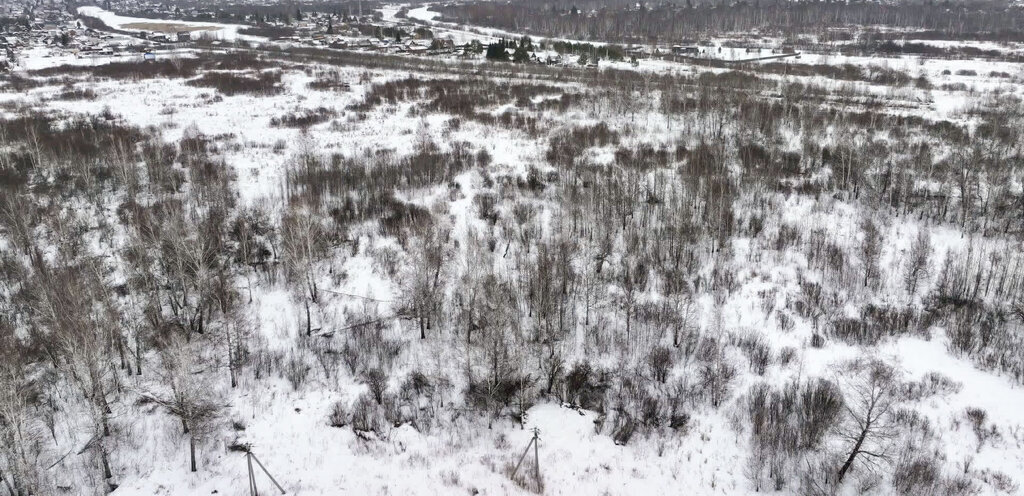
525	263
227	32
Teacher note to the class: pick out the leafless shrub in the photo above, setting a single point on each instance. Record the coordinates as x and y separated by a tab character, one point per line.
849	72
796	417
918	261
329	80
786	355
584	386
339	415
912	423
660	362
367	415
565	147
875	323
416	397
89	141
303	118
377	382
977	418
786	237
395	413
933	383
77	94
623	428
230	84
916	475
962	485
486	207
817	477
457	97
166	68
318	182
351	356
757	351
296	369
716	381
450	478
643	159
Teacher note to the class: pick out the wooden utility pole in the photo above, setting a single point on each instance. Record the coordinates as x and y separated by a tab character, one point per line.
535	442
252	481
249	458
536	456
521	458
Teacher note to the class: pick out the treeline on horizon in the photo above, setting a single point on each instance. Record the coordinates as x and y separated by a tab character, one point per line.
671	22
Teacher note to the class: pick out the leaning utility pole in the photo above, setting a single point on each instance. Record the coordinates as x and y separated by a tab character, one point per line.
249	458
534	441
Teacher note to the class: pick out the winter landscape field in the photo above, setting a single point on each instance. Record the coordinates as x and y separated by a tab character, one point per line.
591	248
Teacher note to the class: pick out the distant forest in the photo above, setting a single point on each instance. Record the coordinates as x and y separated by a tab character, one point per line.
688	19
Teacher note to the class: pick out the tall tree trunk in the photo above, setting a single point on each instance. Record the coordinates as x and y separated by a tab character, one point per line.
853	455
105	462
192	451
138	356
120	352
10	484
309	323
231	358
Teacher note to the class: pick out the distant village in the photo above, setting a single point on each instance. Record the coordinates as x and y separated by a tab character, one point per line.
57	26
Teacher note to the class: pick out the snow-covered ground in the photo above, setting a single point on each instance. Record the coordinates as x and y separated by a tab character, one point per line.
227	32
423	13
287	428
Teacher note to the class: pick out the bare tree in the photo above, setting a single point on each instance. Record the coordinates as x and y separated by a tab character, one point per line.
870	251
190	396
236	331
424	285
869	403
496	348
69	301
18	217
685	308
303	243
918	261
249	231
634	274
20	445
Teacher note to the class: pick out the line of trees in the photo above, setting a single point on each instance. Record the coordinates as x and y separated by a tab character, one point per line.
680	23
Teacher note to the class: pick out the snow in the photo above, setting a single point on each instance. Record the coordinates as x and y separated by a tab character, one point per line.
40	57
289	436
287	428
1001	400
227	32
997	395
423	13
